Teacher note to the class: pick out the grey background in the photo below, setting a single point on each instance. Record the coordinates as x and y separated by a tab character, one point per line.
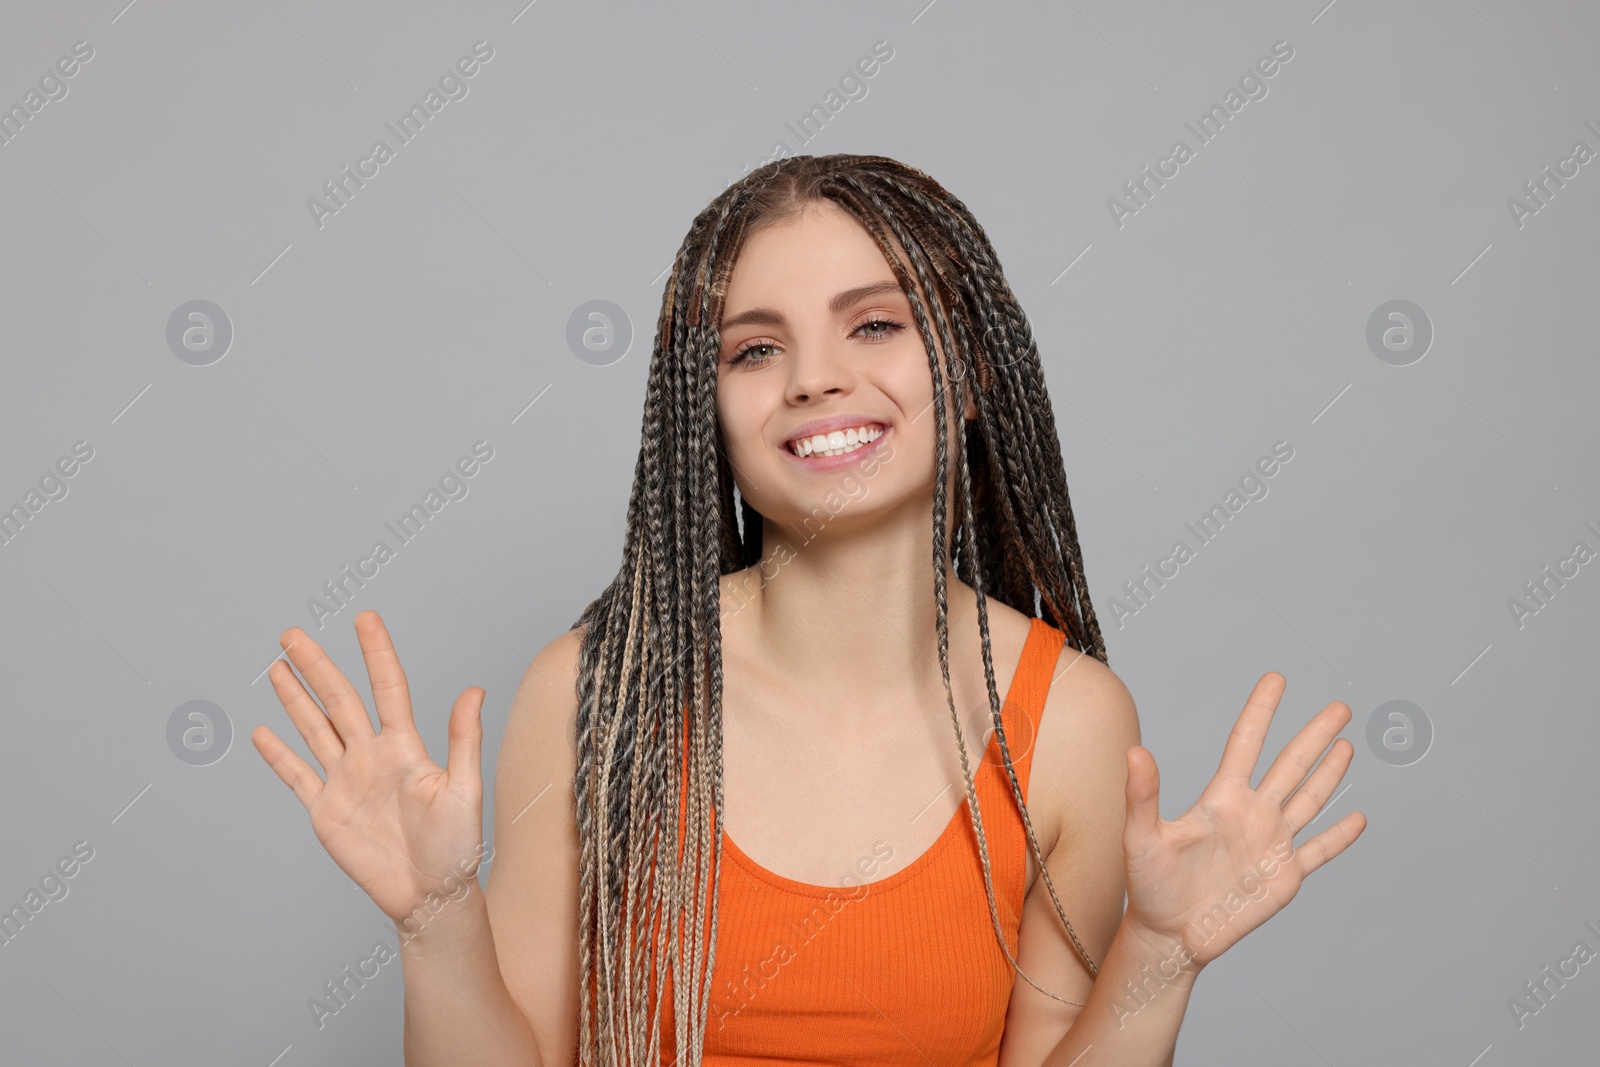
432	311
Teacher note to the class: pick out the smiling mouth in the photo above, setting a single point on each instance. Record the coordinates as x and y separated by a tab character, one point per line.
836	443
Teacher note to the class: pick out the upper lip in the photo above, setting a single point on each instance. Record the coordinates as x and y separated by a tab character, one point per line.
846	421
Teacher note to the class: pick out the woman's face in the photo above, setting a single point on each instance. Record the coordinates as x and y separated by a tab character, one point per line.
817	338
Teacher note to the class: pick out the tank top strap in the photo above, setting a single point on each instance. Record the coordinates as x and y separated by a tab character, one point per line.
1006	835
1024	707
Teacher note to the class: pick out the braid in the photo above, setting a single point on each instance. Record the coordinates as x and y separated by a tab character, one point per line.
918	261
1016	474
648	782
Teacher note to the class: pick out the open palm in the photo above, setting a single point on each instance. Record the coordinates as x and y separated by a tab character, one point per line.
395	821
1228	864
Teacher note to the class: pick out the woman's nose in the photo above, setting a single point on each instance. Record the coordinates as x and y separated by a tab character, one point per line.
818	371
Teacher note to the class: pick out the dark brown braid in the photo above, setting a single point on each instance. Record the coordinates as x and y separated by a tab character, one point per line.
649	727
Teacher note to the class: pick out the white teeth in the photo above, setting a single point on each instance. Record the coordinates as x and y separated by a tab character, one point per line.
836	443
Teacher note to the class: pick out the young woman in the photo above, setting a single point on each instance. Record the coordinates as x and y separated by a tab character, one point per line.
733	826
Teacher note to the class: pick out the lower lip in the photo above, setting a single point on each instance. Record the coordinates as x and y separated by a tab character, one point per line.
824	464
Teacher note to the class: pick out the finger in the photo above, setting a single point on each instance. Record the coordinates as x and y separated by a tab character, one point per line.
1300	755
1143	797
390	693
1250	729
295	772
1328	844
344	704
306	714
464	758
1310	798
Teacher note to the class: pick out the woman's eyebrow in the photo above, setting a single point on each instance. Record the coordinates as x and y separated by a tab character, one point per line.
840	301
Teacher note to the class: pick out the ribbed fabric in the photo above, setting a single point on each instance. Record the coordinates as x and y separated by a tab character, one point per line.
902	970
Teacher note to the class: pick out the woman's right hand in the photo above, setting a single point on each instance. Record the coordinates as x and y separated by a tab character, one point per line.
402	827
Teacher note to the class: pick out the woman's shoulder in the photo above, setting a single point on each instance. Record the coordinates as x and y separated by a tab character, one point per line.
544	708
1088	711
1089	723
558	657
1088	707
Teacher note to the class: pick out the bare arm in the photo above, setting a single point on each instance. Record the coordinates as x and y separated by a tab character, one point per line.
1133	1011
533	884
495	982
458	1008
408	832
1198	884
1077	786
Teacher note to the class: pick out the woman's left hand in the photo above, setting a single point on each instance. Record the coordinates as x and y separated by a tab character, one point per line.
1200	883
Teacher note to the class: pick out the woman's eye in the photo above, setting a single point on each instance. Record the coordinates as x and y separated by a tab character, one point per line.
743	355
889	325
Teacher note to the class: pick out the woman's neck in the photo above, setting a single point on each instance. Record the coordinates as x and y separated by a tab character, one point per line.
851	607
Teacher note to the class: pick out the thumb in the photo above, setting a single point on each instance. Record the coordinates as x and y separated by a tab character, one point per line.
466	735
1143	794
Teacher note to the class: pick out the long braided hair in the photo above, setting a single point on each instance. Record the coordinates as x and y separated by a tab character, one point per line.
649	724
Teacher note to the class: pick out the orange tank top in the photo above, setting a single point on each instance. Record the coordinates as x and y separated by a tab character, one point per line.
902	970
